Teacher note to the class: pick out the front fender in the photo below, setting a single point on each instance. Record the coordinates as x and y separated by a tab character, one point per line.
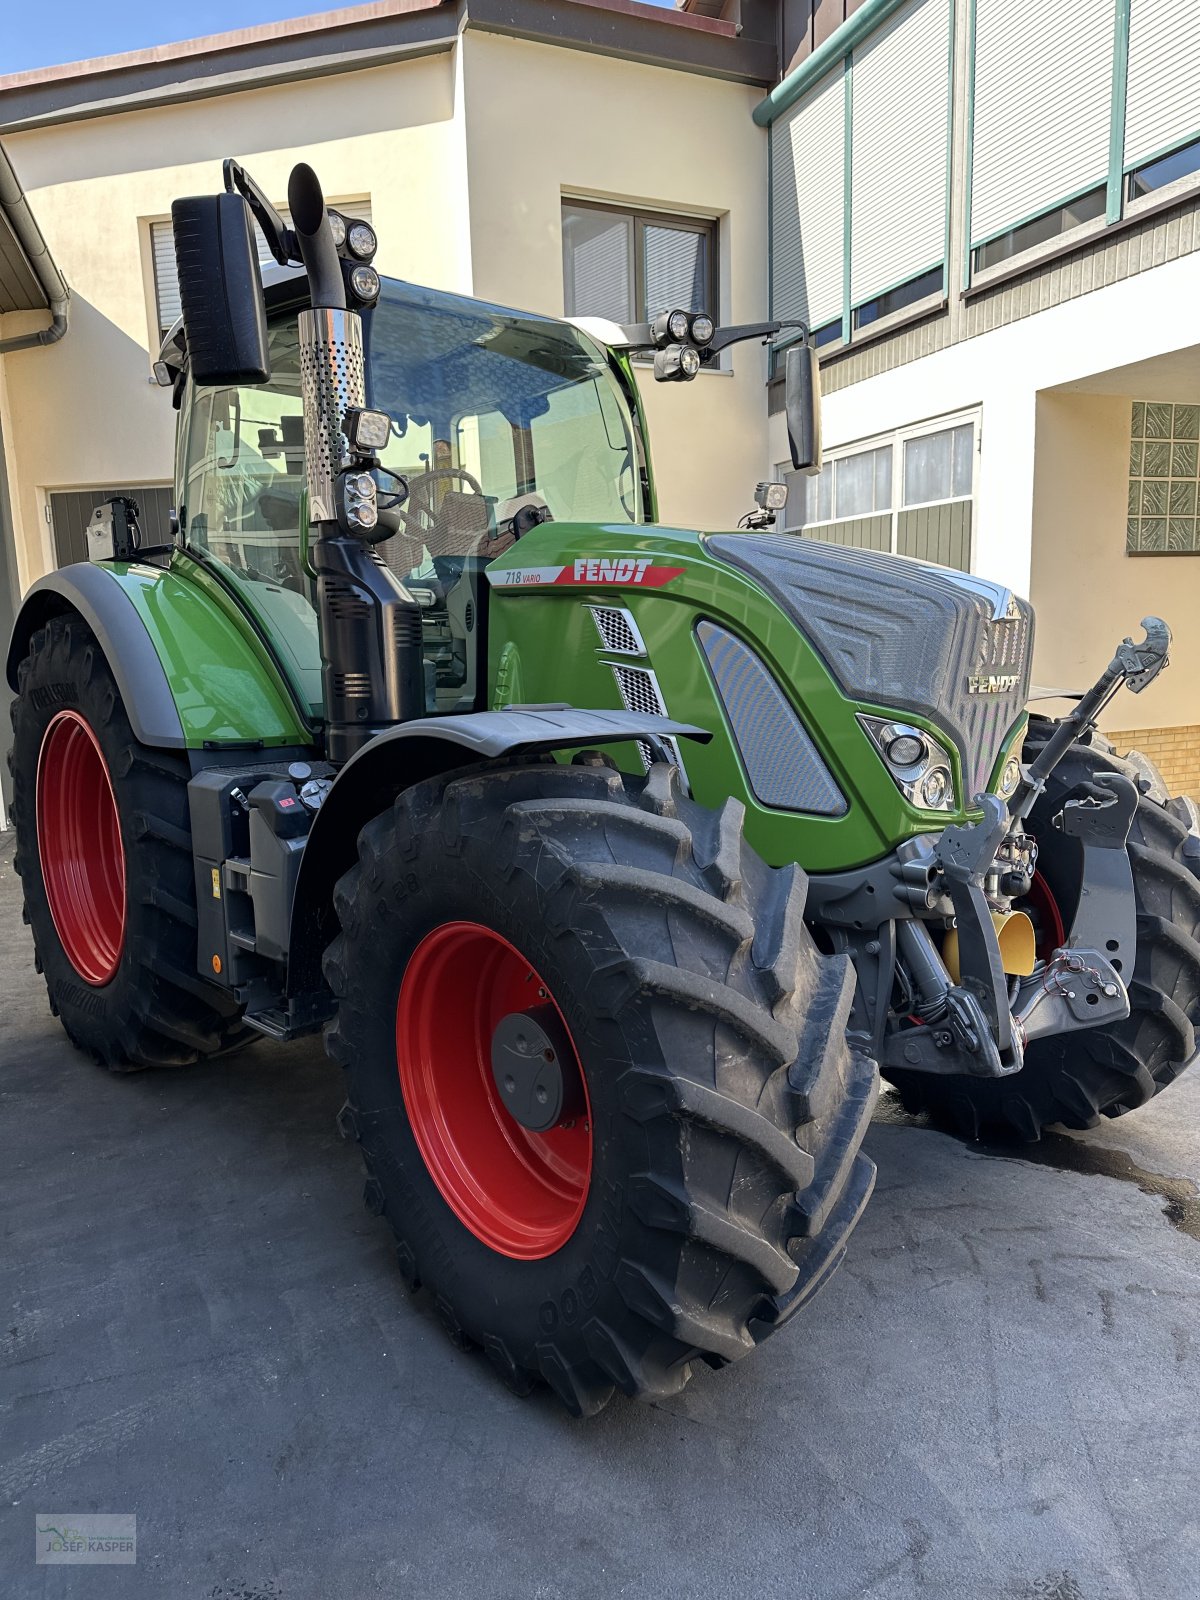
411	753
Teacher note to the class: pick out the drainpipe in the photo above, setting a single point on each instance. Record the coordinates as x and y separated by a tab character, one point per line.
50	280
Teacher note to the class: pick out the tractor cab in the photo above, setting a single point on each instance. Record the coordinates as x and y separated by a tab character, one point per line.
499	421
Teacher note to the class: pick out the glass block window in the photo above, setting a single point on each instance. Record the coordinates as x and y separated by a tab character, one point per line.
1164	479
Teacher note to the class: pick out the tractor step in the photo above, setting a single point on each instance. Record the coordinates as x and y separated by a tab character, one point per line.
306	1014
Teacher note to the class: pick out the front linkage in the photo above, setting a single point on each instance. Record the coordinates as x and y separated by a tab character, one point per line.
912	1011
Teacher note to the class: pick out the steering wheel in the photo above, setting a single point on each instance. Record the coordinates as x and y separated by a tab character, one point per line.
418	513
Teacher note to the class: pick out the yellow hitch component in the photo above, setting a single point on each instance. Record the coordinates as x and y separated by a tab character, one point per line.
1018	947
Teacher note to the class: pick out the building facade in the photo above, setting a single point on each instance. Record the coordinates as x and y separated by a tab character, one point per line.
989	211
578	158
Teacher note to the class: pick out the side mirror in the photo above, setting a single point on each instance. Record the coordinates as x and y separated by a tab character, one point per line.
220	290
802	402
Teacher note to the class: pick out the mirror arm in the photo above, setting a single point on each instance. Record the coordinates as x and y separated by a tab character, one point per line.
281	241
749	330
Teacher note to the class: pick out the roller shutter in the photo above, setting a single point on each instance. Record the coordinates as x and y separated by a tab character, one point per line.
1162	106
808	205
1043	90
901	94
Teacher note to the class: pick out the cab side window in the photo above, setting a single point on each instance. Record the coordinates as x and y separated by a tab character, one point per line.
243	485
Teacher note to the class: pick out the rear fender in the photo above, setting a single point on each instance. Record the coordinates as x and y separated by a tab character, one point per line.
191	670
91	593
410	754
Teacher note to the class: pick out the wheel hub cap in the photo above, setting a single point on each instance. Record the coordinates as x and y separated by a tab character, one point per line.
512	1160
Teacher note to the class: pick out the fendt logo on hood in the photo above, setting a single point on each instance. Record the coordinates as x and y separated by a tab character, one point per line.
588	571
991	683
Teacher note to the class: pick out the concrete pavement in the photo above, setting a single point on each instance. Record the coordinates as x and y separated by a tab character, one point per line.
996	1398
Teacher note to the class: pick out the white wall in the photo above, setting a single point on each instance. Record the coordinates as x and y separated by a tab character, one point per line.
84	411
673	141
465	202
1137	319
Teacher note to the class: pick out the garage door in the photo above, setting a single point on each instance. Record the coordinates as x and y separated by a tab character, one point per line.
71	513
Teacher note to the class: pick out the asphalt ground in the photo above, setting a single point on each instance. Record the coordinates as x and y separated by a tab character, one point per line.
997	1398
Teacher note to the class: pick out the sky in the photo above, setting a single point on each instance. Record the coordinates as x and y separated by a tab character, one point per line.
82	28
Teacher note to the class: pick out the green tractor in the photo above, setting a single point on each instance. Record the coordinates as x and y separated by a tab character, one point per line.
616	860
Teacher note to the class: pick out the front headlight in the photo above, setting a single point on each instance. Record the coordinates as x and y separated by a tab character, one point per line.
917	763
1009	779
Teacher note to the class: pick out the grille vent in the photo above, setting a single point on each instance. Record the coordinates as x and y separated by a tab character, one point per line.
781	761
618	631
640	692
407	629
345	605
352	685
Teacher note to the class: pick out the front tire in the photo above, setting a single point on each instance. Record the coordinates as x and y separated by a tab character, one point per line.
1074	1079
105	860
718	1176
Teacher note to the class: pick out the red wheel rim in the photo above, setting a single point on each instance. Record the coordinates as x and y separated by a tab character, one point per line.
521	1193
79	843
1048	926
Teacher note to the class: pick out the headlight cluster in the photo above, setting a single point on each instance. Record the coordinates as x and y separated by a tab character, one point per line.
356	244
681	338
359	491
919	765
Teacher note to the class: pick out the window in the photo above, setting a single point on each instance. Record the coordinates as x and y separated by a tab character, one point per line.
1167	169
1042	114
908	294
1048	226
1164	479
855	236
939	466
1162	96
166	280
910	494
630	265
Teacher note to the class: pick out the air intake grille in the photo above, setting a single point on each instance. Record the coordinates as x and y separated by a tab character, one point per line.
781	761
618	631
640	692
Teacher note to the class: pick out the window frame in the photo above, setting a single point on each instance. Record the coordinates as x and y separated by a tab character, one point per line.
896	438
642	216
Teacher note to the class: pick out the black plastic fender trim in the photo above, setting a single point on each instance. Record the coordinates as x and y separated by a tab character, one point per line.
409	754
121	633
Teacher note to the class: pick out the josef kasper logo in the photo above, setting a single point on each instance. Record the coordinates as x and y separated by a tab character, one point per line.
66	1538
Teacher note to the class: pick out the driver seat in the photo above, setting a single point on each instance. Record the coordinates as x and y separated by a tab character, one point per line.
461	525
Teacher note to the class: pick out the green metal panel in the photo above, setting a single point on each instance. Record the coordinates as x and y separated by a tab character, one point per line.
544	646
969	174
940	533
1116	126
863	533
226	686
847	201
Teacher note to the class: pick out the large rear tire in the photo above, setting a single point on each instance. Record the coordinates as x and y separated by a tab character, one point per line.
105	860
705	1174
1074	1079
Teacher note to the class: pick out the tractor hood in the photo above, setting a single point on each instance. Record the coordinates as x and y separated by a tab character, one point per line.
903	635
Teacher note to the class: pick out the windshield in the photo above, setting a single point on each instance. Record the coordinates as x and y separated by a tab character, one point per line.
522	410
